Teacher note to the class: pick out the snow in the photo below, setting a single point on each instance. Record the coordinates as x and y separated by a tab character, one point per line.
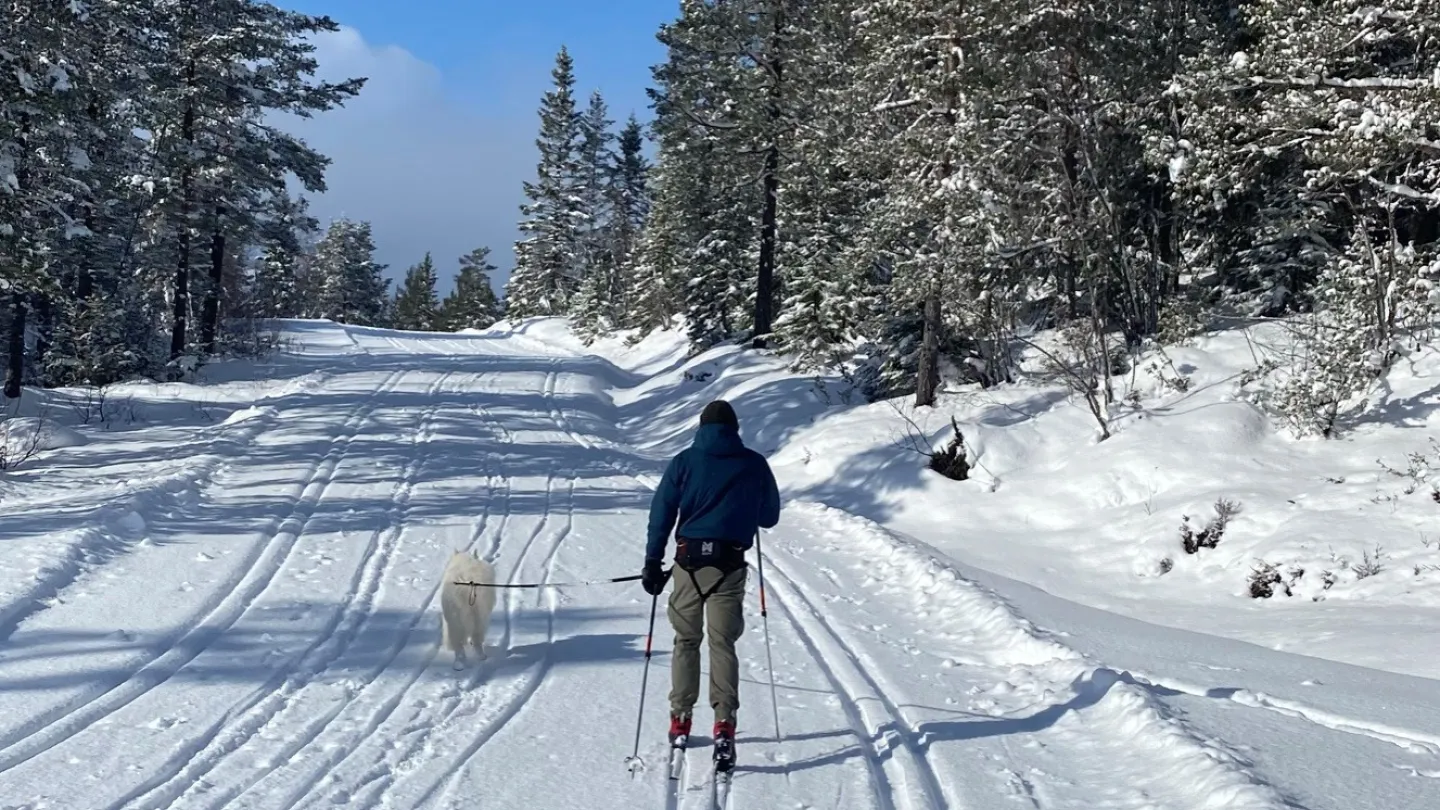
229	599
36	434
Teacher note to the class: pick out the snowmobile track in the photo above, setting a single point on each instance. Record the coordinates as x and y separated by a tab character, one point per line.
47	731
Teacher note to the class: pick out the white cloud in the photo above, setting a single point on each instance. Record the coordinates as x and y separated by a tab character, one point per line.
429	173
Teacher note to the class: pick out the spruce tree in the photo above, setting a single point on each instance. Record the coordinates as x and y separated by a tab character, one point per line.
597	303
549	261
472	303
352	286
417	308
629	194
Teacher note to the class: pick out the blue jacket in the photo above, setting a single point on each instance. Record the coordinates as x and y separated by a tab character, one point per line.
718	489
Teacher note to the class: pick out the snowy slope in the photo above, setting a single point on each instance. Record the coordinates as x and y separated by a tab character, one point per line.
238	610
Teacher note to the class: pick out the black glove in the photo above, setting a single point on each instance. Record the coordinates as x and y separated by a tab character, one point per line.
653	578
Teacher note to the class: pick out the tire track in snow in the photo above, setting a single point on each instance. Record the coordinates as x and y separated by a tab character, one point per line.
259	571
185	775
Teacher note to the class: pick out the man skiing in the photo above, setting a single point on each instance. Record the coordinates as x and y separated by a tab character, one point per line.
716	495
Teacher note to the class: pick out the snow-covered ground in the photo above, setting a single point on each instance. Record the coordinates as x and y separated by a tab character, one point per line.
225	596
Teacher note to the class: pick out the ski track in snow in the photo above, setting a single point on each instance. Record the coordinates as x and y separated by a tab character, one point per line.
107	538
229	604
856	689
410	741
190	768
517	695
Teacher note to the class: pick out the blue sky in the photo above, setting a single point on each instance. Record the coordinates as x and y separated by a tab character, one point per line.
434	151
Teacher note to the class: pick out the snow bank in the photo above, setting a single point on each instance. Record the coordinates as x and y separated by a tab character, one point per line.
1100	523
646	355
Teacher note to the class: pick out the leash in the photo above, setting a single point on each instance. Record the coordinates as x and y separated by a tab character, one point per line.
589	583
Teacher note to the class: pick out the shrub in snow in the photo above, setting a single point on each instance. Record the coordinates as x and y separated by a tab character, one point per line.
1418	468
1266	577
950	461
1166	566
1263	579
1210	536
1373	306
1369	564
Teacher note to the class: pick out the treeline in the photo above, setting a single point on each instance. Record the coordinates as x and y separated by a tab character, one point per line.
335	276
898	185
140	174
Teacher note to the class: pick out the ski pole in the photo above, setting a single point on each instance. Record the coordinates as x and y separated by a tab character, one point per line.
765	621
635	763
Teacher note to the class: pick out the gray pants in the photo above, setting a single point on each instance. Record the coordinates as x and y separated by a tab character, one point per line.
724	611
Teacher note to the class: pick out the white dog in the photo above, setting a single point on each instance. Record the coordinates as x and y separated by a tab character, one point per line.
465	611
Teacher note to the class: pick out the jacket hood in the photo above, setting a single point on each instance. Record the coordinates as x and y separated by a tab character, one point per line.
719	440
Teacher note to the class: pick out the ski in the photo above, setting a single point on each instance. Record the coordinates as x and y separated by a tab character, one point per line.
674	785
720	790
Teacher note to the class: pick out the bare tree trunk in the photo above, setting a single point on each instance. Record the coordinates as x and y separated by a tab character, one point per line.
770	214
927	384
765	277
44	330
15	369
181	313
210	317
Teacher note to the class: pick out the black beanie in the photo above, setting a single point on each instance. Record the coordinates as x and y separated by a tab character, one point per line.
719	412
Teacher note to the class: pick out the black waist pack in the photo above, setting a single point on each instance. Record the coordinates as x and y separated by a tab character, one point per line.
692	555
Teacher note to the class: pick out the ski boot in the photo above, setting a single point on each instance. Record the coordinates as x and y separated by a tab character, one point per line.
724	747
679	731
679	738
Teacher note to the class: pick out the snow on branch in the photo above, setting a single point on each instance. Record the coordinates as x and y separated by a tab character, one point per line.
1402	190
1373	84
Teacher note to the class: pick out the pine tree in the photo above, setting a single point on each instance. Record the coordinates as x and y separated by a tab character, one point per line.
276	285
226	65
596	160
472	304
549	262
830	296
416	306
